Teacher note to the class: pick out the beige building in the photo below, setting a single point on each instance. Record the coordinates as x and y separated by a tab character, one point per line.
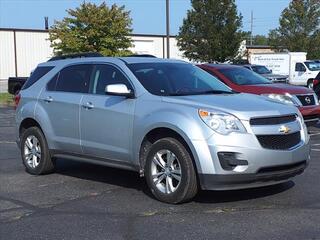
254	49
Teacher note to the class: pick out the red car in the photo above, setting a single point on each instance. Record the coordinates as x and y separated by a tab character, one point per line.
243	80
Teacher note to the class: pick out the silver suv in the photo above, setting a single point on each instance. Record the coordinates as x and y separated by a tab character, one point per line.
169	120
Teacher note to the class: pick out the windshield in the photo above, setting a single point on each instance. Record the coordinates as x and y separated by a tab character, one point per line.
261	69
174	79
243	76
313	66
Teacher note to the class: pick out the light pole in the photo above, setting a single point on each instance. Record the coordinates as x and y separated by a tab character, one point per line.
168	28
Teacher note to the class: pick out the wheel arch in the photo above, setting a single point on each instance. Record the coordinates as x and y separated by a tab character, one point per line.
161	132
27	123
310	80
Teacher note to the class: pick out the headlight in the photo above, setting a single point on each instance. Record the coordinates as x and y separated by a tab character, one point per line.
284	98
222	123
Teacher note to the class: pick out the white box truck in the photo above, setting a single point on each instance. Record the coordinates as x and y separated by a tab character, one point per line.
292	64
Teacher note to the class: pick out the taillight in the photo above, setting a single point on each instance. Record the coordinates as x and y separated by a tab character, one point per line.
316	82
17	99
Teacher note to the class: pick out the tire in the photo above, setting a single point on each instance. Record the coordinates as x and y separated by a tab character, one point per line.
34	144
174	159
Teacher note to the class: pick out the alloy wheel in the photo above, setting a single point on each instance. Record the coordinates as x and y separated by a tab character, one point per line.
32	151
166	171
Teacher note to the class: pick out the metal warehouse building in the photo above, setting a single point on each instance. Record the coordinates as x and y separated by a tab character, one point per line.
22	49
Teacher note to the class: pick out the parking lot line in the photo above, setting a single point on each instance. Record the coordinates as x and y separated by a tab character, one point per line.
7	142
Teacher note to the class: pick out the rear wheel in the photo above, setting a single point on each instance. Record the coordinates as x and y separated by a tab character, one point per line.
310	83
170	172
35	153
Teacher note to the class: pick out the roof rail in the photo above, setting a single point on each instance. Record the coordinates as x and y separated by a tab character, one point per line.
142	55
76	55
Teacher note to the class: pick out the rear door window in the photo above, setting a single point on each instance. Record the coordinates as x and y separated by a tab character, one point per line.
38	73
74	78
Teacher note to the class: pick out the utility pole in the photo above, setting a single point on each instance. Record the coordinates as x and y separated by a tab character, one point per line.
168	28
46	23
251	29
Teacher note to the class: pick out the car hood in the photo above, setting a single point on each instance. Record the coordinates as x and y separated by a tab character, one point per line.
278	88
243	106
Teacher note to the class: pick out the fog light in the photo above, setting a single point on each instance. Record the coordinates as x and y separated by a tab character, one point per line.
230	160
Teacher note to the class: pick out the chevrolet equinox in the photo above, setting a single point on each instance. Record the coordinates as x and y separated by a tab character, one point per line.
170	121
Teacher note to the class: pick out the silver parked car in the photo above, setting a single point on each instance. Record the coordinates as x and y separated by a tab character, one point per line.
267	73
169	120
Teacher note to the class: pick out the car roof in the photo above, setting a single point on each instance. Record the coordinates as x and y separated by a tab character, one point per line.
130	60
252	65
222	66
127	60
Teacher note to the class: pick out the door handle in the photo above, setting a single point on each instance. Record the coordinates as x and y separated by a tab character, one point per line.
88	105
48	99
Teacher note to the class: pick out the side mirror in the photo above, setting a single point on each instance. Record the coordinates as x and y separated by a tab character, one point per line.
270	70
119	90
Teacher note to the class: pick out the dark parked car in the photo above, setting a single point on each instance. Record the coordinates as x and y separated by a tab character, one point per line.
267	73
15	84
243	80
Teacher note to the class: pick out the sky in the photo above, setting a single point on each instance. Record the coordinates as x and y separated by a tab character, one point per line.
148	15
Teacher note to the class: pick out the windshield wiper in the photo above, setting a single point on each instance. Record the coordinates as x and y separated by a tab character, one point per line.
215	92
202	93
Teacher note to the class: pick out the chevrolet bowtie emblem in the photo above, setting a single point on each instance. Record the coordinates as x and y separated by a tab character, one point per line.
284	129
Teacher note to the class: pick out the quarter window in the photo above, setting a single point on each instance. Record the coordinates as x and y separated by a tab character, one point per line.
104	75
38	73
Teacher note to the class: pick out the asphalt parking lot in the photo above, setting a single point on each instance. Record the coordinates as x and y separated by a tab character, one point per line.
82	201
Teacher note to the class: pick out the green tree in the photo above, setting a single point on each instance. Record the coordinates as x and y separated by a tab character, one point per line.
257	39
93	28
260	40
299	28
211	31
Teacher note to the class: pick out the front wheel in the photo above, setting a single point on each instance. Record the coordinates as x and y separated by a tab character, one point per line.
310	83
170	172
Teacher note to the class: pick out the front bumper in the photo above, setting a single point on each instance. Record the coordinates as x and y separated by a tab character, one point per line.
258	166
242	181
311	114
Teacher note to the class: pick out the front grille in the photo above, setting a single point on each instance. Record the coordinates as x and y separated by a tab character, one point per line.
307	100
273	120
279	142
311	117
280	80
